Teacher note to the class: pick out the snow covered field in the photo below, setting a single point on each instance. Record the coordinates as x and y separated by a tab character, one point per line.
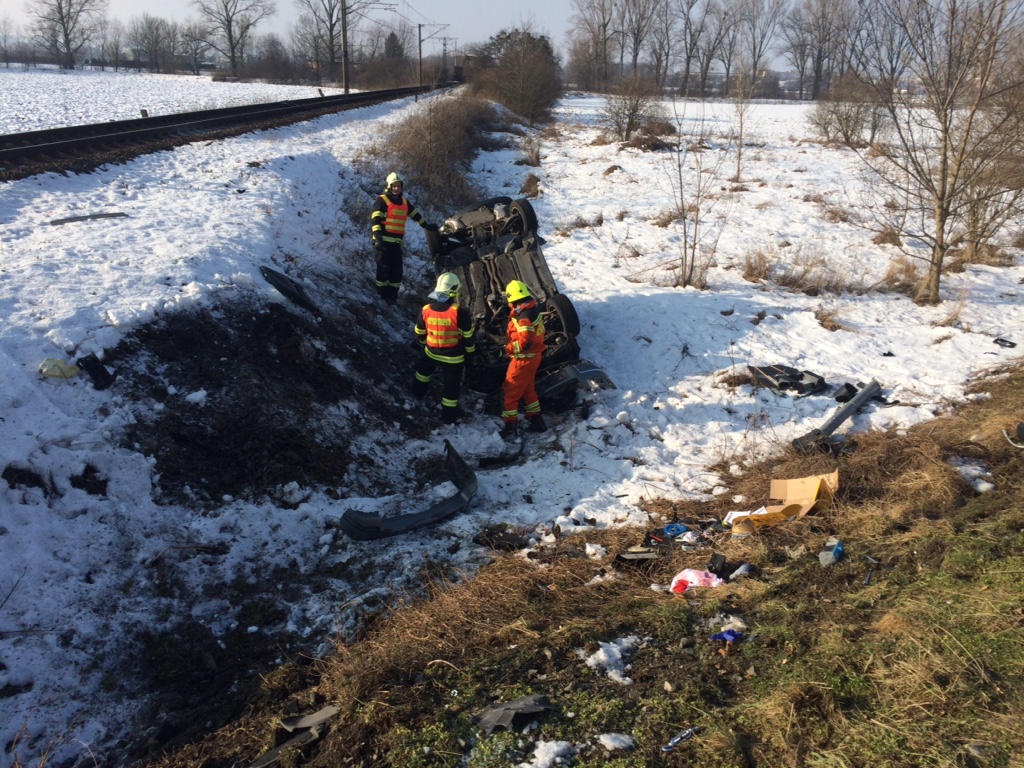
36	99
74	569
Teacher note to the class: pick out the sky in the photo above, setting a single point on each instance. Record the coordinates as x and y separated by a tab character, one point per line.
463	22
184	239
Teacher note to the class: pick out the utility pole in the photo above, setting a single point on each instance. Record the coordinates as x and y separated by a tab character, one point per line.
344	45
420	28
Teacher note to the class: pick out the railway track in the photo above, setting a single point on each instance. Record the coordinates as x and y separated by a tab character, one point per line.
82	148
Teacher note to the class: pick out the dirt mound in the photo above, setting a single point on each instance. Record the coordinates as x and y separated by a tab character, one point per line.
243	397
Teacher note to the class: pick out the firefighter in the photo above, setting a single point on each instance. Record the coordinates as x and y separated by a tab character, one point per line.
446	331
387	228
525	347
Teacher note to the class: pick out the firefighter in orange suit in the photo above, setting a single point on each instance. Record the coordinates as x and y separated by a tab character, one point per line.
525	347
387	228
446	331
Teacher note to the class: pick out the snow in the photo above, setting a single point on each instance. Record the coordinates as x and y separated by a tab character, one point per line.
613	741
612	658
76	567
37	99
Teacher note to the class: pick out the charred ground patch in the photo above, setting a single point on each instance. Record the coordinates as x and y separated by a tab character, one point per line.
242	397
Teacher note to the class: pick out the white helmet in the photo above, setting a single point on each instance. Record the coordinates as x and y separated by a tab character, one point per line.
448	287
394	178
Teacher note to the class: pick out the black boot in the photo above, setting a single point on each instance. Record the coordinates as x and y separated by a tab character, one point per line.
449	415
510	431
536	424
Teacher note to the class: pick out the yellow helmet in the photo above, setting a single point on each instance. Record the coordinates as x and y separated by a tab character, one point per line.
516	290
394	178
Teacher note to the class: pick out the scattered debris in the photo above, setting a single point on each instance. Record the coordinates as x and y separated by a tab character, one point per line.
101	377
365	526
818	438
832	553
503	715
58	369
798	496
290	289
1019	442
87	217
311	722
680	737
785	380
1004	342
691	577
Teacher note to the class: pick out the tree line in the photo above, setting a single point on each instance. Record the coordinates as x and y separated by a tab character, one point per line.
332	41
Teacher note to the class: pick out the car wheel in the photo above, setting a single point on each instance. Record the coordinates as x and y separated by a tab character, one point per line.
521	218
559	304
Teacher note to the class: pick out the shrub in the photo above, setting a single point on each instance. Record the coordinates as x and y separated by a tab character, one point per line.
631	106
434	148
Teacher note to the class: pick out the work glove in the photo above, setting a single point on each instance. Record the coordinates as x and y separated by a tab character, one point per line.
378	251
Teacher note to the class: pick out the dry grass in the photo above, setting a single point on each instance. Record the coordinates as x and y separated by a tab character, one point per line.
810	272
904	653
902	276
531	156
665	218
954	316
434	147
758	264
531	186
564	229
888	236
828	318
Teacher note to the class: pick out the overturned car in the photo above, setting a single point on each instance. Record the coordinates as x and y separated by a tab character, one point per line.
488	246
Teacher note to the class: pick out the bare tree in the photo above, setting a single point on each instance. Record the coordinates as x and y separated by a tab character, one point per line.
594	20
632	104
110	38
947	74
7	31
661	45
63	27
149	37
717	29
827	26
195	45
637	19
758	20
797	43
727	50
695	196
232	23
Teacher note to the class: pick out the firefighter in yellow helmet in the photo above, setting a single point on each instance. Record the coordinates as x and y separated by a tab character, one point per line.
524	347
387	229
446	331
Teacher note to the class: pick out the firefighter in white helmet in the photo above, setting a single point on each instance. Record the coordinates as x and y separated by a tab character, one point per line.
449	340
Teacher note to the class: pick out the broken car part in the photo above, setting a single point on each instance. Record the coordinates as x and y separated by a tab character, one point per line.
366	526
817	438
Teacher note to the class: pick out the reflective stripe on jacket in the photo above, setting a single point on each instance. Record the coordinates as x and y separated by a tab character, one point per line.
447	332
389	217
525	331
442	327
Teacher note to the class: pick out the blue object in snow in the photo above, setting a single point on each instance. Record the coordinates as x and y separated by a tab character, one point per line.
675	529
729	636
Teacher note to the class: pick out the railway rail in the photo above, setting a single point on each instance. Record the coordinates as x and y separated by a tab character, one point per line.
82	148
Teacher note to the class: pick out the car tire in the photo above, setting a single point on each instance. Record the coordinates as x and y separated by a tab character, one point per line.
559	304
521	218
